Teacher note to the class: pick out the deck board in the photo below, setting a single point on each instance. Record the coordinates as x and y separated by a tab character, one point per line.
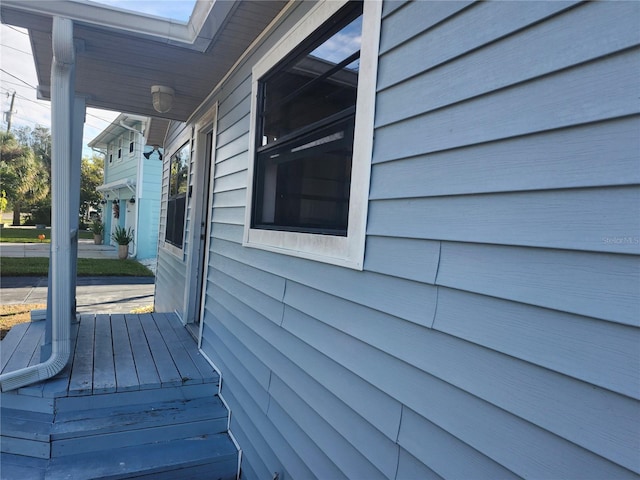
169	374
187	369
104	373
145	368
103	420
35	356
114	354
10	342
126	376
207	373
23	353
35	390
81	382
58	386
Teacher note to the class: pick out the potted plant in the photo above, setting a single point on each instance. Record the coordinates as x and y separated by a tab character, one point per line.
97	228
123	237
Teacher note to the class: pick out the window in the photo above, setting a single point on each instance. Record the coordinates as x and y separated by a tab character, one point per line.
176	205
120	148
131	142
312	136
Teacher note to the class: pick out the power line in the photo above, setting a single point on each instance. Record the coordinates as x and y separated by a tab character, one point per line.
48	107
22	97
103	119
16	49
19	79
11	83
43	105
25	98
15	29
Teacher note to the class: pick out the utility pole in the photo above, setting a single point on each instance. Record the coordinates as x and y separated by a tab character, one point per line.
10	112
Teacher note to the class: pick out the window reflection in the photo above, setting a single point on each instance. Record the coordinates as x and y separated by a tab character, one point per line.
306	118
316	85
179	170
176	203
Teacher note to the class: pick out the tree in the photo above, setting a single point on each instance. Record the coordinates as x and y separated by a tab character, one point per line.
41	146
24	178
91	174
39	140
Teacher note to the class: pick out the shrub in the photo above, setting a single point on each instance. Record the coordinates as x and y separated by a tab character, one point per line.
97	227
122	236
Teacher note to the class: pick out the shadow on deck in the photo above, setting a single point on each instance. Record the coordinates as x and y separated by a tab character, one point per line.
136	399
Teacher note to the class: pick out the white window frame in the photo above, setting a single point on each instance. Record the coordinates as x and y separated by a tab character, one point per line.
131	152
119	150
338	250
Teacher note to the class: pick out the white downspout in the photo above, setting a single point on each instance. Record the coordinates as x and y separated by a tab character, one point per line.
62	96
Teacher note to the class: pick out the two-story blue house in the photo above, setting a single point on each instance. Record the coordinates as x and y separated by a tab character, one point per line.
132	177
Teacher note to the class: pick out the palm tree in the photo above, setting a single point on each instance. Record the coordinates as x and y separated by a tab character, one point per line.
24	179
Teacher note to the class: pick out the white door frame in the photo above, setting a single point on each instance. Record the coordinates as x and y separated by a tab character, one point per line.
195	292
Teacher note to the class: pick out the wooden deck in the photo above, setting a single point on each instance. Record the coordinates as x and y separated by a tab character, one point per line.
136	399
112	353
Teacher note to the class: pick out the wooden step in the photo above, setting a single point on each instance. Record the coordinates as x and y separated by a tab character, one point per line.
100	429
24	468
25	433
206	457
43	435
118	399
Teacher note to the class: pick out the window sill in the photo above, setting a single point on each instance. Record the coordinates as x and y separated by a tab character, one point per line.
335	250
173	250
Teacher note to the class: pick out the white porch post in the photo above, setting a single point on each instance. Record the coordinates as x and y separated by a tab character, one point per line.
79	111
62	192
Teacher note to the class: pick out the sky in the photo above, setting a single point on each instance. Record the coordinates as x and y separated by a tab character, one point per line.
18	73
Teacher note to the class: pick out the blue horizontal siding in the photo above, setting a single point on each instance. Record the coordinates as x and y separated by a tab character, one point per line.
492	332
375	406
574	155
452	38
442	452
561	219
170	276
580	347
413	19
599	285
525	53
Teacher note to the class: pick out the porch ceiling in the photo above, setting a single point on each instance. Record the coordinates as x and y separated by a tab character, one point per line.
116	66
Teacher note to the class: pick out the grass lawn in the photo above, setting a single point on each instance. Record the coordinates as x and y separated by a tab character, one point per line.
87	267
30	235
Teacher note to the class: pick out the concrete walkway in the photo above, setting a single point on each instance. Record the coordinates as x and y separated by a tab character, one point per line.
86	249
93	294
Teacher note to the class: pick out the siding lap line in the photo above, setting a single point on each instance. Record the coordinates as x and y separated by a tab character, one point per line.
435	310
284	293
400	424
